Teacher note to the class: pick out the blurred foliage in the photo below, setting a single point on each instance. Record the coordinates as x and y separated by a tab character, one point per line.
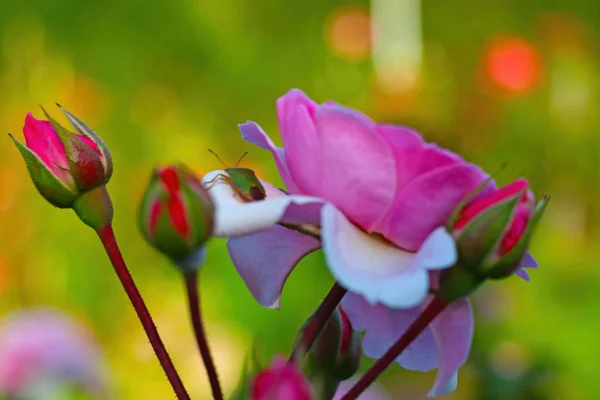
163	81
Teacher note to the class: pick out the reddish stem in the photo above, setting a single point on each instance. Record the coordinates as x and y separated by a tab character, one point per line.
191	283
433	310
107	237
319	319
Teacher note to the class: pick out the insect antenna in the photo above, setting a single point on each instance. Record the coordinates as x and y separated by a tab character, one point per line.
238	163
218	158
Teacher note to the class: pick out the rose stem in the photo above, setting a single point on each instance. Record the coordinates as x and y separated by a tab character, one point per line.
319	319
191	283
107	238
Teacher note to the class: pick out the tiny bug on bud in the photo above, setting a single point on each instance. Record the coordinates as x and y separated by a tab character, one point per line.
243	181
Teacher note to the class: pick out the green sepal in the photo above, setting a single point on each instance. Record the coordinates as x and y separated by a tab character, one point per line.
47	184
506	265
168	240
86	131
200	210
94	208
477	241
246	183
149	197
325	357
463	203
457	282
85	165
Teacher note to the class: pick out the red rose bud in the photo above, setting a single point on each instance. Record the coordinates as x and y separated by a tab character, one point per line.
281	381
492	235
63	165
177	216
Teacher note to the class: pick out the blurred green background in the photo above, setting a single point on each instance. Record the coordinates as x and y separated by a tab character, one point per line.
163	81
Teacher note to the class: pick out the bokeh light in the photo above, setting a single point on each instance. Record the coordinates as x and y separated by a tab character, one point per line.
349	33
513	64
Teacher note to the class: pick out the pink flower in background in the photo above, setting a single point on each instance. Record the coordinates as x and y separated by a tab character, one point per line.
43	350
380	194
281	381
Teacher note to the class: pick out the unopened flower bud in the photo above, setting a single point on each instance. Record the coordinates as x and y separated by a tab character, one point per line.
281	381
492	236
337	351
177	216
64	166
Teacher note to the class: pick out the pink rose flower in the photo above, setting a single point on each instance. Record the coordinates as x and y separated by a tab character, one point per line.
380	194
381	197
281	381
43	349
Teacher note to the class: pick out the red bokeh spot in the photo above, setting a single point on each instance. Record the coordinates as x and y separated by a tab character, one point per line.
513	64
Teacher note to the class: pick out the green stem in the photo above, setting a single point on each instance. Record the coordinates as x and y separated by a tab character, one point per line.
109	241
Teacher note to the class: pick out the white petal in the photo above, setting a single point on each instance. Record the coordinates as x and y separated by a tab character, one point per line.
438	251
236	218
369	266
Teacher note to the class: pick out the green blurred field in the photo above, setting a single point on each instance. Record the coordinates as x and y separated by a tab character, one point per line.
163	81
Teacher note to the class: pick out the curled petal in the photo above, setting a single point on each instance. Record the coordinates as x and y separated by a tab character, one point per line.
288	104
265	259
368	265
254	134
453	333
438	251
384	326
234	218
445	344
42	140
302	149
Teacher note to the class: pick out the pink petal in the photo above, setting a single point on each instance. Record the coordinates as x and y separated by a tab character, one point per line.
264	260
384	326
453	333
302	150
91	144
358	171
369	266
427	202
254	134
400	137
288	104
42	139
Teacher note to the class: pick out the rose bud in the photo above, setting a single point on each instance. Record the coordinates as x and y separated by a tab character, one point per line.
281	381
65	165
177	216
337	350
492	235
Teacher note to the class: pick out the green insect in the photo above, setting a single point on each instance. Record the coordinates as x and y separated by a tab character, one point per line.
243	181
